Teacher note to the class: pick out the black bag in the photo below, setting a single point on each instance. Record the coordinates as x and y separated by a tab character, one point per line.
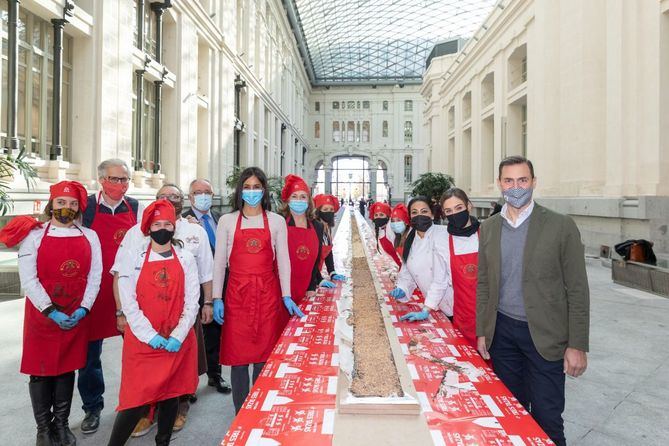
637	251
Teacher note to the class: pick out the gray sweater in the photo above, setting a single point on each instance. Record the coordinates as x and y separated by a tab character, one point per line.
511	301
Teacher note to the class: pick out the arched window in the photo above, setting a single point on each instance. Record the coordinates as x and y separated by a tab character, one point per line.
336	134
408	168
408	131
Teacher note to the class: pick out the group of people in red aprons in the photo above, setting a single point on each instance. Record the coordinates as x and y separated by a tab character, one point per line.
437	262
265	264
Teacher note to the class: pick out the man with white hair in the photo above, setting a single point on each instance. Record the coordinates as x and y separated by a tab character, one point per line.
110	213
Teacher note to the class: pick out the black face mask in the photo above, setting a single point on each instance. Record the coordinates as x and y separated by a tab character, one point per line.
327	217
381	221
64	215
459	220
161	236
421	222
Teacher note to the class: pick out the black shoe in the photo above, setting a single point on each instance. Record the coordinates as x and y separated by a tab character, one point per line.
91	423
221	384
192	399
62	402
41	397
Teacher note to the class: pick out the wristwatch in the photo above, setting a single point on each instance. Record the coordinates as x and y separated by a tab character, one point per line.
119	313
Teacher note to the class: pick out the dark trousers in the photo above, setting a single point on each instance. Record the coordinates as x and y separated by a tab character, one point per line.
239	380
538	384
212	345
91	382
126	420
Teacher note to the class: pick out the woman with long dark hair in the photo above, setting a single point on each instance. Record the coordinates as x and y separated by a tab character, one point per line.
385	238
456	262
400	225
418	259
251	245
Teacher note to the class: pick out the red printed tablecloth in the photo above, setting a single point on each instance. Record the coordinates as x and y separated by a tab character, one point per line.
293	401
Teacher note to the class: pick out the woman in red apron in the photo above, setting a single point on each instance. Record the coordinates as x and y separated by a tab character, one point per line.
60	267
304	241
400	226
252	247
326	208
159	291
463	246
385	238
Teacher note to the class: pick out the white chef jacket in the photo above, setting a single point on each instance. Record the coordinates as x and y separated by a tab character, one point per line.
418	270
129	272
34	290
440	294
193	236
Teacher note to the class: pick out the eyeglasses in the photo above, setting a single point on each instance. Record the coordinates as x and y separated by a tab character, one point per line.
118	180
171	197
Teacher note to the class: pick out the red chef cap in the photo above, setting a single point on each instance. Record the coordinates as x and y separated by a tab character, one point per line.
158	210
72	189
17	229
400	211
323	199
379	207
293	183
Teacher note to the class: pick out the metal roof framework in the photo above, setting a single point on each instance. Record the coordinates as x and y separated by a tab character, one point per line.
368	42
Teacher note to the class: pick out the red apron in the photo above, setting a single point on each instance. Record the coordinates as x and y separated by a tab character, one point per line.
63	264
147	375
303	248
389	248
253	304
325	249
464	271
110	229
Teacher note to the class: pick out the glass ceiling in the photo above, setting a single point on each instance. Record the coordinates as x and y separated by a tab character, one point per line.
377	41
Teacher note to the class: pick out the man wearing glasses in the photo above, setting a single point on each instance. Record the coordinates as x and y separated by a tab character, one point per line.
200	195
110	214
532	298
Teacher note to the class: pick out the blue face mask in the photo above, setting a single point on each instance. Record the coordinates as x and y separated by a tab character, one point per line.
398	227
298	207
202	202
252	197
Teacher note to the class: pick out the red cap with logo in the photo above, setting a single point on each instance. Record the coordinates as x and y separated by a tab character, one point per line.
400	212
158	210
72	189
292	184
379	207
323	199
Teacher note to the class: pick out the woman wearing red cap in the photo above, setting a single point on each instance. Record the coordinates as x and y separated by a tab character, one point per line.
380	214
252	264
159	291
60	266
304	239
400	225
326	208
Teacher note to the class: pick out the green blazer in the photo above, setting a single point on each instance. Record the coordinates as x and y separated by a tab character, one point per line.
555	284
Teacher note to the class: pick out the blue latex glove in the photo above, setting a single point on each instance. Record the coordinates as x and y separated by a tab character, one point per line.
292	308
327	284
173	345
397	293
218	311
158	342
75	317
61	319
338	277
416	316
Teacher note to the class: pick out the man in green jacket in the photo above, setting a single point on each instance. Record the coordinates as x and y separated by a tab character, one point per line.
532	298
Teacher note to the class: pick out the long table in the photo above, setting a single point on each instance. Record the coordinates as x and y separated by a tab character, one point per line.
293	402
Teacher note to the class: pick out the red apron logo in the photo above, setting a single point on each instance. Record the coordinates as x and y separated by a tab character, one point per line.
69	268
118	236
253	245
302	252
470	271
161	278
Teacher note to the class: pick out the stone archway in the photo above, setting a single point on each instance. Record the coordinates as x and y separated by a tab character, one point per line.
352	175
